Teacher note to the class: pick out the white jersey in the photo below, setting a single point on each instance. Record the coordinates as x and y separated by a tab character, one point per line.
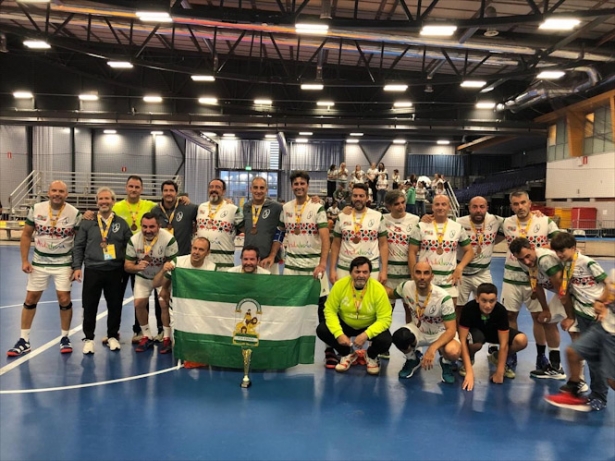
587	285
372	227
259	270
438	310
398	237
443	265
183	262
165	249
485	232
537	230
54	236
548	264
219	224
303	249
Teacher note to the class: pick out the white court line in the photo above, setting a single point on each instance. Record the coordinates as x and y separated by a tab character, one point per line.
53	342
40	302
101	383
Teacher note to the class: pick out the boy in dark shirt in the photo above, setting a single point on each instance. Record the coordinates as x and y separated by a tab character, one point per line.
482	320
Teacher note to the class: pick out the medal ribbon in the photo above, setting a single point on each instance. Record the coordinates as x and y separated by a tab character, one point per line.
104	231
172	215
567	274
358	298
533	277
479	234
212	214
134	215
357	226
256	213
440	234
53	221
147	249
420	310
523	231
299	213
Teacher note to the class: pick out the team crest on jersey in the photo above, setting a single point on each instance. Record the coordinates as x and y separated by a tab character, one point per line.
536	228
432	311
115	227
266	213
223	214
370	223
310	215
179	216
452	234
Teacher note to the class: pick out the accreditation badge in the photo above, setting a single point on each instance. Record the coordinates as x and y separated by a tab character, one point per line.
109	252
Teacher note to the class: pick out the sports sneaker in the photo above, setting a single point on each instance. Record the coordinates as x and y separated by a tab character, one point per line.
346	362
105	340
331	359
21	347
114	344
360	357
595	403
137	337
145	344
410	366
373	365
509	372
570	401
462	369
549	373
88	346
575	388
65	346
166	346
448	376
159	337
385	355
583	387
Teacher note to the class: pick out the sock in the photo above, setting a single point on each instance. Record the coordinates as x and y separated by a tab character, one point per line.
541	349
411	355
64	333
167	332
445	360
554	358
582	374
145	331
25	334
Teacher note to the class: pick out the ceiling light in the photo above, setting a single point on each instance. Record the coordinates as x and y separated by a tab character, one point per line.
22	95
395	87
37	44
270	136
356	134
203	78
120	64
485	105
473	83
551	74
402	104
325	103
110	132
443	142
559	24
228	135
157	133
312	86
208	100
301	140
438	31
305	133
209	134
399	141
88	97
33	1
152	98
154	16
263	102
311	28
352	141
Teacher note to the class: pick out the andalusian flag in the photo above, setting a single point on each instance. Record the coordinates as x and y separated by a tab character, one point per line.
215	314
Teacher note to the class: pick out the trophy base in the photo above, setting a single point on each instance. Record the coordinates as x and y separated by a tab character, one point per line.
245	384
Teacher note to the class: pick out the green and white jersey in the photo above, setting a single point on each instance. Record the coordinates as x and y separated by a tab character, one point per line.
487	232
586	285
183	262
538	231
303	243
548	264
398	236
430	318
219	225
165	249
371	226
443	265
54	236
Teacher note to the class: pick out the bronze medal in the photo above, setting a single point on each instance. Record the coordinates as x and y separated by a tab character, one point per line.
297	231
479	250
147	258
356	239
133	227
440	250
253	231
103	244
169	227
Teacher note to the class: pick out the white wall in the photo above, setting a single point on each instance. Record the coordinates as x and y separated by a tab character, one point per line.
13	170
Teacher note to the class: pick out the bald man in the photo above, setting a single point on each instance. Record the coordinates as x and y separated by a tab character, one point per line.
54	224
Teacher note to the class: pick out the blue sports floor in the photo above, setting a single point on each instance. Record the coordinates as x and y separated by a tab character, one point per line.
124	406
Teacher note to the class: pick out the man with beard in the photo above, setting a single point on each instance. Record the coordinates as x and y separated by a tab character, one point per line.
262	217
218	221
362	232
357	307
250	262
146	253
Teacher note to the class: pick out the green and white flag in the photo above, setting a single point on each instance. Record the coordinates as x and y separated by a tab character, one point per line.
215	314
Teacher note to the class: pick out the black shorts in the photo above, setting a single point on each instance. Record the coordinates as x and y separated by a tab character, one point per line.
478	337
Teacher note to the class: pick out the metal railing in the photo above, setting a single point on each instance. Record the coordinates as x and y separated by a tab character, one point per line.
453	199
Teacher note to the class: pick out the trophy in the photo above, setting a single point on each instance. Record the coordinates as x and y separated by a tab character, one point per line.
247	356
247	315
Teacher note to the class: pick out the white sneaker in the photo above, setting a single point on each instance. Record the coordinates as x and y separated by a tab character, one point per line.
373	365
114	344
88	346
137	337
159	337
346	362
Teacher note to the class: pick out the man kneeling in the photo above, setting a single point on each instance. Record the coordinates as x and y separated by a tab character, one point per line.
484	319
357	306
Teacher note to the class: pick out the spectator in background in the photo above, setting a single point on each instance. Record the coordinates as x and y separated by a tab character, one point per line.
439	189
382	185
331	179
342	175
358	175
395	179
411	198
372	178
341	195
421	197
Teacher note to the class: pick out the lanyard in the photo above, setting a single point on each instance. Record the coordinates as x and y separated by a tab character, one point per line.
523	231
104	231
479	233
211	214
171	216
134	214
53	221
357	225
567	274
420	310
358	298
147	249
299	213
256	213
533	277
440	234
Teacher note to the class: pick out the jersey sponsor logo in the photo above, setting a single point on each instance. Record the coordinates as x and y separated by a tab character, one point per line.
179	216
265	214
115	227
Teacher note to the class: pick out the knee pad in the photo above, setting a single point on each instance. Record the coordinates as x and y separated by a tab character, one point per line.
30	307
404	339
68	307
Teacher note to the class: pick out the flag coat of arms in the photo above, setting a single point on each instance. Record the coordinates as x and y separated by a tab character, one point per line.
215	314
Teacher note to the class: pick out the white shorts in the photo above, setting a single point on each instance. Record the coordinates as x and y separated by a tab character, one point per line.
558	313
143	288
514	296
38	279
324	280
469	284
394	283
452	291
424	339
